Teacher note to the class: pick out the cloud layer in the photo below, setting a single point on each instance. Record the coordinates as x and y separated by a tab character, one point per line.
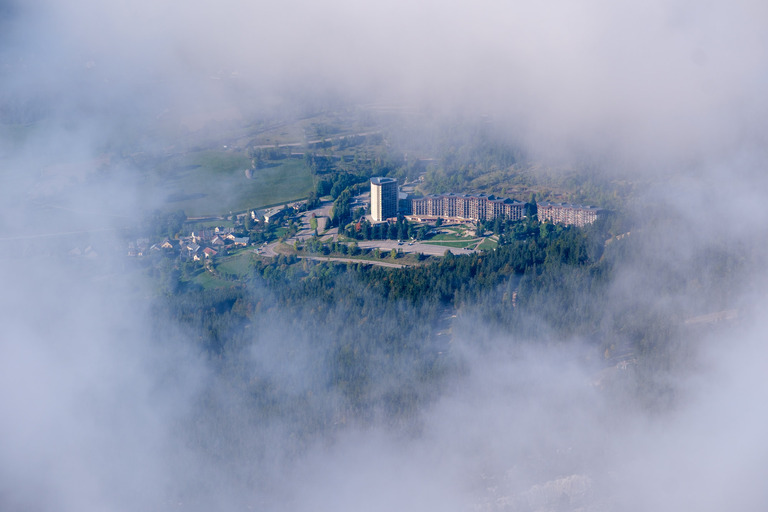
97	417
657	82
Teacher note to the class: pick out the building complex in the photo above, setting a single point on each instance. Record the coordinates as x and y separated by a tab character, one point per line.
468	207
465	207
568	214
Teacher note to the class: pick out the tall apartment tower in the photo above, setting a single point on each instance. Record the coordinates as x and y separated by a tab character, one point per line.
383	198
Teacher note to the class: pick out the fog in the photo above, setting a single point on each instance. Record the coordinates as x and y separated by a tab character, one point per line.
666	83
106	405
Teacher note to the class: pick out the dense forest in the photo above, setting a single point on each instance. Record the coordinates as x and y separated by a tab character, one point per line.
315	346
378	343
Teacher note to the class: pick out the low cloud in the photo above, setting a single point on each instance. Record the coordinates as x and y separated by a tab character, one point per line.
106	405
651	86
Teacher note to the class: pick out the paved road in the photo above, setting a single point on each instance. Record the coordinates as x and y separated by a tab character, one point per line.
324	210
351	260
429	249
269	250
383	245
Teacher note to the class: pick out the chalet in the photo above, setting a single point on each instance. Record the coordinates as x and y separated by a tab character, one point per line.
202	236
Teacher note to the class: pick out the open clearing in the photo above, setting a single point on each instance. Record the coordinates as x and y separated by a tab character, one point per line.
212	182
237	264
488	244
208	280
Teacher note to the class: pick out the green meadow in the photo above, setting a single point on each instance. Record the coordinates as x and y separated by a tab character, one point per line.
214	182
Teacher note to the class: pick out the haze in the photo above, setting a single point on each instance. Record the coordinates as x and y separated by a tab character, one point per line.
100	411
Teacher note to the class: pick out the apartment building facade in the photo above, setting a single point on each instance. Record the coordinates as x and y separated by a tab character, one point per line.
568	214
465	207
384	195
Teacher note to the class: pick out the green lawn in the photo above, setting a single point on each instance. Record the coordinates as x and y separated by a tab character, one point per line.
214	182
447	237
459	244
238	264
488	245
208	280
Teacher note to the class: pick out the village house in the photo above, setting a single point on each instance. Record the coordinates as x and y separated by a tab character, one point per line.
273	215
223	232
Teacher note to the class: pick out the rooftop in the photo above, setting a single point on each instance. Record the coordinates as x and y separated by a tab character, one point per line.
378	180
569	205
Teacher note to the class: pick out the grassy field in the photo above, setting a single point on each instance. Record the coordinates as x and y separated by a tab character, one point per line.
214	182
488	244
323	125
442	237
459	244
447	237
209	281
210	224
238	264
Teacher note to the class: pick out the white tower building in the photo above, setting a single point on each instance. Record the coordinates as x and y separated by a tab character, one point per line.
384	194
